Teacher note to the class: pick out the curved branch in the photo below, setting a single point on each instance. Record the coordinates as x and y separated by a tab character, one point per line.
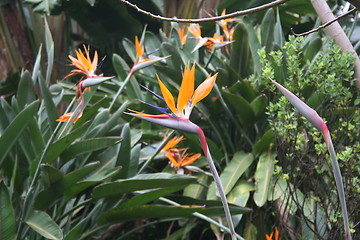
324	25
208	19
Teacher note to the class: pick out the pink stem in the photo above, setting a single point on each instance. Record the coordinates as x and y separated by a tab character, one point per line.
217	180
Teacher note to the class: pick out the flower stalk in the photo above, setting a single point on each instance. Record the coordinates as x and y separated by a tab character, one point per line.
312	116
176	116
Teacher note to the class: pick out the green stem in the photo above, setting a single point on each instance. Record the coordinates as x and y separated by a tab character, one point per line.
171	134
339	183
218	183
203	217
126	81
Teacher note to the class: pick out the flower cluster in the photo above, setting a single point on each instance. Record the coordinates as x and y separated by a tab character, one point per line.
214	42
178	157
87	69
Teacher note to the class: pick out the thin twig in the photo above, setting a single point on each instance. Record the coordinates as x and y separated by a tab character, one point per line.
324	25
208	19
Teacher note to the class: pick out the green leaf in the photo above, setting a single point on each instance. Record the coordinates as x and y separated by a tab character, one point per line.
264	142
95	178
15	128
267	29
142	182
231	174
123	157
158	211
7	216
134	160
48	196
88	146
259	106
49	42
263	175
60	145
148	196
122	70
241	193
90	112
278	33
242	108
240	61
254	44
313	48
43	224
174	61
250	232
36	69
197	190
49	104
25	93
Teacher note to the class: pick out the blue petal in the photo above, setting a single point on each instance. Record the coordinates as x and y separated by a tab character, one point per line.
160	109
153	93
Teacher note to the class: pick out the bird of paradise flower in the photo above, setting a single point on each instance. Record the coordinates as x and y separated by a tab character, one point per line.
178	157
176	116
140	62
86	67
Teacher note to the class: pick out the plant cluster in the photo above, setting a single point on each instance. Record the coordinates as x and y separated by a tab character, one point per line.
77	164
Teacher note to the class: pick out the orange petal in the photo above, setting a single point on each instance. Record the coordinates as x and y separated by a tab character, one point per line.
169	99
172	143
66	117
139	49
182	36
83	60
186	88
276	234
203	90
189	160
172	160
95	61
78	63
195	30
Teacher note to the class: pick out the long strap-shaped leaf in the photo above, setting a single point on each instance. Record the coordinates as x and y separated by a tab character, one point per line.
16	127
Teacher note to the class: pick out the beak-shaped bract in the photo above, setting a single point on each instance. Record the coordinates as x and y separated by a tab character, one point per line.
310	114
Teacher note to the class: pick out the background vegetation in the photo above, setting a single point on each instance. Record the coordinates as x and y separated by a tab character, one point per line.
103	176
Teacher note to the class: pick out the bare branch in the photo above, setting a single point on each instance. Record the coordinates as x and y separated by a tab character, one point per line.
208	19
324	25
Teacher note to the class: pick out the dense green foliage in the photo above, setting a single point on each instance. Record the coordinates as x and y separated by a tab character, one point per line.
105	176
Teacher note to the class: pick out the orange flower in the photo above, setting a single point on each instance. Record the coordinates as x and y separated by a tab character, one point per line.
83	63
227	20
224	24
195	30
66	117
182	36
140	52
178	156
215	42
274	234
